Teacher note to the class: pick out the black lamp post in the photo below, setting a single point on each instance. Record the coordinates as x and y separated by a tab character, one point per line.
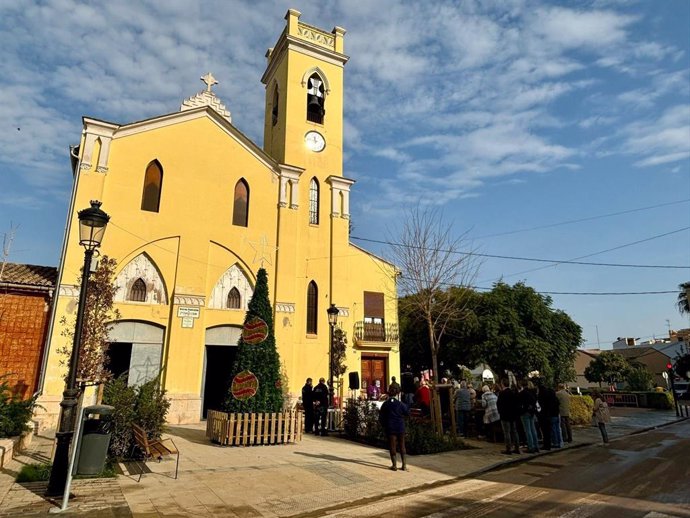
332	321
92	223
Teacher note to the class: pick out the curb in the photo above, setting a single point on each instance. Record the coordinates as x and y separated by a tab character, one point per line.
493	467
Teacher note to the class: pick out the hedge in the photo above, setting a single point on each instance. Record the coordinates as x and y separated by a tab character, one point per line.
659	400
581	408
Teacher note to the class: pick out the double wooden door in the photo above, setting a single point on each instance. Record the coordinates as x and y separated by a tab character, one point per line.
374	369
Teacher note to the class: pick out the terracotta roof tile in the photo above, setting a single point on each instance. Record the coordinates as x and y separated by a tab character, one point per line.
28	274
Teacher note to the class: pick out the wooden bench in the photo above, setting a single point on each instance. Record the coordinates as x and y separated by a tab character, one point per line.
154	449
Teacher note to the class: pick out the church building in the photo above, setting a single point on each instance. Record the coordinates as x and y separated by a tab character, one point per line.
197	208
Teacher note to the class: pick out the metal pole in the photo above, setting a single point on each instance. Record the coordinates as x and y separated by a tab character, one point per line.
672	375
330	367
58	473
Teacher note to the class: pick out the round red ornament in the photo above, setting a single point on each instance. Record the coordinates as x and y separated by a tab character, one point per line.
254	331
244	385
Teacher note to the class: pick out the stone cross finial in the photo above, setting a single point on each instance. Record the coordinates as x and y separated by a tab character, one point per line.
209	80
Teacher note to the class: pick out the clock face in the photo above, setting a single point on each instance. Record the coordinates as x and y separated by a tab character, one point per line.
315	141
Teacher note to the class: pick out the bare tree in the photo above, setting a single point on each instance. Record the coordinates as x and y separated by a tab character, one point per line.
432	258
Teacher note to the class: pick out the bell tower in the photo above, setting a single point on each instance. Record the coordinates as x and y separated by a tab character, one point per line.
303	123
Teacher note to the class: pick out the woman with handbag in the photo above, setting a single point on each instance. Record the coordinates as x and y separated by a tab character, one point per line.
601	415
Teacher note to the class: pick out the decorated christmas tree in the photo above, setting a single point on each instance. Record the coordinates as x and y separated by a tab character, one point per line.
256	379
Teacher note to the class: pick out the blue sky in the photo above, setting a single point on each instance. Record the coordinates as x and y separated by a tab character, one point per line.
506	115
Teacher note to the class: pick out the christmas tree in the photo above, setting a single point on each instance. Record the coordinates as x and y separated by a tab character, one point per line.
258	357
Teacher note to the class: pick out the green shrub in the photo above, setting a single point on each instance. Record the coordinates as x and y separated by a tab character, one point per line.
34	473
660	400
421	439
145	405
15	413
581	408
640	379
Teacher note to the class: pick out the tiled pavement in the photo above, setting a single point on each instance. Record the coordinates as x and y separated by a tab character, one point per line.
269	481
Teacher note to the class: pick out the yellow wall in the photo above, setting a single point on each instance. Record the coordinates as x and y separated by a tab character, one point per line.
192	241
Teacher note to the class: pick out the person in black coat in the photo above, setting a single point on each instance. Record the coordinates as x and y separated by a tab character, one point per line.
509	410
308	404
548	414
320	395
392	417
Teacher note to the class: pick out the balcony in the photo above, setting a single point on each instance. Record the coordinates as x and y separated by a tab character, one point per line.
370	332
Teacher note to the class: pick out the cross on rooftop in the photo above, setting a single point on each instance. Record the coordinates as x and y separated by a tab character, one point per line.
209	80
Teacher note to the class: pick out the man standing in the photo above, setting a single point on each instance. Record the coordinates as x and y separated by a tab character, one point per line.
408	387
394	384
548	416
320	395
508	409
308	404
564	410
392	418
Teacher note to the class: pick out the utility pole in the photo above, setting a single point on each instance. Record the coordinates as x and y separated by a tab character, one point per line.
6	246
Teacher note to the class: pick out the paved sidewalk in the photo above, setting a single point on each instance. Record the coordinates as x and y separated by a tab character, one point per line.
274	481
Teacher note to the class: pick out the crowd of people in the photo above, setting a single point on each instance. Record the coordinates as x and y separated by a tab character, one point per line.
528	413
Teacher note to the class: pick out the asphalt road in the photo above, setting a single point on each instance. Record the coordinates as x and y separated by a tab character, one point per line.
645	475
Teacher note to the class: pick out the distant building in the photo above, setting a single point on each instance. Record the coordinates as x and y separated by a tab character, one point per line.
651	358
26	293
582	360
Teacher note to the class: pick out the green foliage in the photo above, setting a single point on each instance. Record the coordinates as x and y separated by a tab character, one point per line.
99	313
38	472
361	422
339	353
682	366
422	440
521	332
660	400
684	298
15	413
581	408
145	405
262	359
35	472
639	379
465	374
608	367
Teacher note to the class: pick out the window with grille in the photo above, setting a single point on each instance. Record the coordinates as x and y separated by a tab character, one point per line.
234	300
240	210
315	99
314	202
153	184
312	307
137	292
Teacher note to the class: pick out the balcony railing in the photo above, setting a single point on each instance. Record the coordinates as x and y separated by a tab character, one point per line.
369	332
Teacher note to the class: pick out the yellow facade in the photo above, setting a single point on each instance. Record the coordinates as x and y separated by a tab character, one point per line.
189	254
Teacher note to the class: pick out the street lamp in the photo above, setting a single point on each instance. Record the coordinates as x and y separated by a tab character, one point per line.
92	224
332	321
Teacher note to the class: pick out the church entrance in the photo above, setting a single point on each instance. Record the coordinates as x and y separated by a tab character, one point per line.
219	360
221	350
374	368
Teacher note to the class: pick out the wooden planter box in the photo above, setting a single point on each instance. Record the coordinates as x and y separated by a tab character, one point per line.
254	429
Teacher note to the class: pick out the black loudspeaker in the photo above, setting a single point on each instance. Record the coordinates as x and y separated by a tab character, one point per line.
354	381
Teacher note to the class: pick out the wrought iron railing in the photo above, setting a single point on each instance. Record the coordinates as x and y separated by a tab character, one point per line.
370	332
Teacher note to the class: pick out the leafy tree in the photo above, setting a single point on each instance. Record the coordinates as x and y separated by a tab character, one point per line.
261	359
639	378
520	332
682	366
684	298
99	314
608	366
338	353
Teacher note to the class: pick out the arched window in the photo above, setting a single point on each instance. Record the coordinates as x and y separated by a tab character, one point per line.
312	307
137	292
274	108
240	211
314	202
234	300
315	99
153	184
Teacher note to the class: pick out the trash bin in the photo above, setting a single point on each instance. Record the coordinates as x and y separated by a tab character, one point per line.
95	439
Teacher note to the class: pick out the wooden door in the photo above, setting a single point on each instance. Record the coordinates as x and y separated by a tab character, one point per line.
374	369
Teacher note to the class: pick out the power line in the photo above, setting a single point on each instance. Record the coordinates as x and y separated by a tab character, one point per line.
575	259
570	221
540	260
